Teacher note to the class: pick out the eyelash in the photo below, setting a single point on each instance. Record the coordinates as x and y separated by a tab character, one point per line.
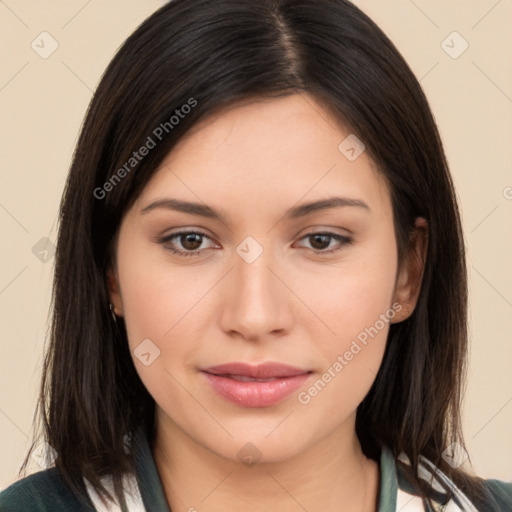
344	240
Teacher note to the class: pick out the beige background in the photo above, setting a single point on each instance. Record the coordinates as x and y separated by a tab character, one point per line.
42	104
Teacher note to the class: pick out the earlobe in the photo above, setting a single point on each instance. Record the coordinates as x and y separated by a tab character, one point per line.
409	280
114	292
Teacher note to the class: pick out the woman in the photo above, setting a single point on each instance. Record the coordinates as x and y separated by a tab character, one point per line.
260	290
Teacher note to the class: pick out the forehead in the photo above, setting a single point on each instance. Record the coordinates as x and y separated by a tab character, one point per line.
268	149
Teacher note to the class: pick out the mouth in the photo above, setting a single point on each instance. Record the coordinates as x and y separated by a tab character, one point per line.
242	378
262	385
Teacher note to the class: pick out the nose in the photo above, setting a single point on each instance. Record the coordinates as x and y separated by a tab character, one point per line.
257	303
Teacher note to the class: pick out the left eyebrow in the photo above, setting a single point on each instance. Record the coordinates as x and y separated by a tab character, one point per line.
302	210
333	202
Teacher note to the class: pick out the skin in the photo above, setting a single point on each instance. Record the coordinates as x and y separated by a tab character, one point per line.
294	304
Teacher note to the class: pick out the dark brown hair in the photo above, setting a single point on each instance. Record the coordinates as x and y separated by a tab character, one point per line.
217	52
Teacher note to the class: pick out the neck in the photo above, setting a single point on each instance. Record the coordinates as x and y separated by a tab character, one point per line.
331	475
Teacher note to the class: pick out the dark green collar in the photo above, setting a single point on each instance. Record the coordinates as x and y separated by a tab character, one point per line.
150	485
388	481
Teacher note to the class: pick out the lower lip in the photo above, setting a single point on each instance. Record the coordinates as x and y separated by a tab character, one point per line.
256	394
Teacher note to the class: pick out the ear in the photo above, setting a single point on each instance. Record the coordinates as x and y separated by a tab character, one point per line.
408	284
114	291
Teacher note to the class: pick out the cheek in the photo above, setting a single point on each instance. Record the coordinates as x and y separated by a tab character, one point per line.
351	295
356	302
158	297
351	358
160	305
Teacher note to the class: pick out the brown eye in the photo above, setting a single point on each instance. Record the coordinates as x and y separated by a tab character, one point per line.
321	241
188	242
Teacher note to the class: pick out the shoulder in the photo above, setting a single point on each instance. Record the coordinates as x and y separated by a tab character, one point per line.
500	492
497	496
44	491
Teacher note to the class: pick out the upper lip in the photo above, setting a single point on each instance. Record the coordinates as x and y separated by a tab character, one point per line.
261	371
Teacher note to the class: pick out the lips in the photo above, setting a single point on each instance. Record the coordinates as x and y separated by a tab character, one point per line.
261	371
262	385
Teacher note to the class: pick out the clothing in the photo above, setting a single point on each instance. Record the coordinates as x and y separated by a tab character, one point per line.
45	491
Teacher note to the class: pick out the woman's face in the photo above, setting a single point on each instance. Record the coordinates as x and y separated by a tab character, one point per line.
253	284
